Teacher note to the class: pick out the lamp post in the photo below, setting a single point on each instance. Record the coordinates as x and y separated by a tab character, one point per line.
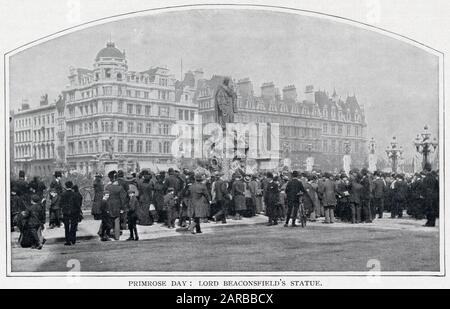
394	152
372	156
424	145
347	148
372	146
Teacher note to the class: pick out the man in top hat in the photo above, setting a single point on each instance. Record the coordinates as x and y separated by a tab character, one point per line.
56	183
71	212
400	192
430	193
117	202
272	199
22	189
200	202
294	191
98	196
379	189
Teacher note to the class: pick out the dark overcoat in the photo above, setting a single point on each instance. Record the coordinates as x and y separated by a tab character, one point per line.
200	198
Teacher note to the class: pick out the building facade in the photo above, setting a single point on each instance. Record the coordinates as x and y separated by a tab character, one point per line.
321	126
112	112
109	112
34	139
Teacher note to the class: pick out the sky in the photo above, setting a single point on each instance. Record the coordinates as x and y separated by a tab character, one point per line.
396	82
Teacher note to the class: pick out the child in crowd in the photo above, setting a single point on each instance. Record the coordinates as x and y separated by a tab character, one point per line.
133	205
170	206
106	225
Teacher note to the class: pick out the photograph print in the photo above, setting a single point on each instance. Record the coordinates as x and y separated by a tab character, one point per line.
223	140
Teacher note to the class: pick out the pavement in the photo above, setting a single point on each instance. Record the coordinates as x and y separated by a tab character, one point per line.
88	228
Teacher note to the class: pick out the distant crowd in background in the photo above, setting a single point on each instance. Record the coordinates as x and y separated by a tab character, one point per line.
187	199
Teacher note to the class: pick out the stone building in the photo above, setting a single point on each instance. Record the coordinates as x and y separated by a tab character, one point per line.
114	113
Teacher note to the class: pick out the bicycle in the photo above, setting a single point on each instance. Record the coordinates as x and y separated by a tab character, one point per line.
302	213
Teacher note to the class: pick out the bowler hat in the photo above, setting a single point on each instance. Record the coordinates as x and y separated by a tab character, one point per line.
58	174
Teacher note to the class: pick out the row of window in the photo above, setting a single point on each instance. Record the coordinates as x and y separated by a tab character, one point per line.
38	121
107	107
108	126
185	114
40	151
44	134
132	146
333	127
108	91
22	136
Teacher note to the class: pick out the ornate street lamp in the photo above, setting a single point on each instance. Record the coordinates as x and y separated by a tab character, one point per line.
394	152
347	147
372	146
424	145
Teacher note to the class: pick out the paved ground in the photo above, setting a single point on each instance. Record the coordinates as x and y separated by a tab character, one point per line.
247	245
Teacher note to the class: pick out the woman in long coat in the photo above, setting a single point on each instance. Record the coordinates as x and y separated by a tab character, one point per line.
238	193
145	199
158	197
98	196
199	206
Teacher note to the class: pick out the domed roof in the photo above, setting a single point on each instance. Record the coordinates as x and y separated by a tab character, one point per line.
110	51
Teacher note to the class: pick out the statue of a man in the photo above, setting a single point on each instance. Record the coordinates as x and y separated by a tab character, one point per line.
225	103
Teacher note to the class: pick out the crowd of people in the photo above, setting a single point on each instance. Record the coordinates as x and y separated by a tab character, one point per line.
188	199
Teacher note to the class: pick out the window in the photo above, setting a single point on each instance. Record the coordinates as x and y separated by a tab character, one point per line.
86	109
186	115
120	126
145	95
166	129
325	146
129	108
333	145
95	127
348	130
166	147
80	129
147	110
80	108
139	146
333	129
96	145
120	145
86	127
104	145
107	90
148	146
160	129
339	129
128	93
120	107
80	147
340	146
138	109
130	127
192	115
137	94
139	128
90	127
180	114
107	106
325	128
91	146
163	111
53	118
85	147
119	76
108	73
130	146
148	128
